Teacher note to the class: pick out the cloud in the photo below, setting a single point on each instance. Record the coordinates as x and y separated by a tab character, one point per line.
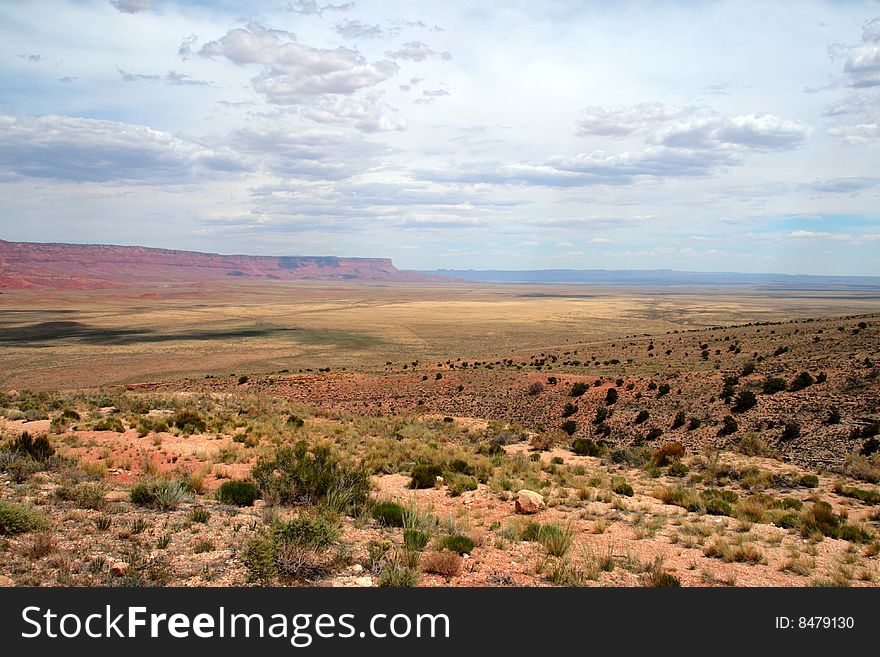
368	115
312	8
430	95
172	77
184	51
845	185
34	58
132	6
76	149
862	66
417	51
306	154
354	29
623	121
412	83
759	132
294	73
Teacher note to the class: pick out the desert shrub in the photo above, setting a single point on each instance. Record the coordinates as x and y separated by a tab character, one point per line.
238	492
866	496
679	420
569	410
809	481
801	381
543	440
653	434
19	518
531	531
242	379
535	388
109	424
415	539
397	575
86	495
728	426
460	466
102	523
821	519
585	447
787	520
642	417
752	445
791	431
390	514
460	483
189	421
578	389
456	543
424	475
865	468
663	390
772	385
678	469
748	368
634	457
39	448
295	475
611	396
833	416
694	423
621	487
165	495
715	506
744	401
308	531
294	421
445	563
668	453
569	427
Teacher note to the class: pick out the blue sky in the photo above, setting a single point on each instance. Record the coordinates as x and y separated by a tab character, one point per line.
713	136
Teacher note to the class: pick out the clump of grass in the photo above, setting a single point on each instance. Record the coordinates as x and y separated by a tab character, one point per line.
424	475
620	486
657	577
821	520
164	495
866	496
199	514
19	519
398	575
102	523
460	483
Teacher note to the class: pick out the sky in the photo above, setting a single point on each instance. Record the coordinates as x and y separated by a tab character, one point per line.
700	136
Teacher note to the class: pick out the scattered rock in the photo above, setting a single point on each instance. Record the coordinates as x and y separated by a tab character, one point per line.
364	581
119	568
528	501
356	569
6	581
117	496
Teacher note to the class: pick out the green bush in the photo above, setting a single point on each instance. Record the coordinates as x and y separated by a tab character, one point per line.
390	514
641	417
297	476
199	514
424	475
772	385
18	519
109	424
791	431
585	447
578	389
396	575
745	400
622	488
189	421
569	410
238	492
569	427
801	381
729	425
314	532
611	396
457	543
809	481
678	469
294	422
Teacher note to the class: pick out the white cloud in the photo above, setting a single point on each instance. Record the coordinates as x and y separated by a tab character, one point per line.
132	6
292	72
623	121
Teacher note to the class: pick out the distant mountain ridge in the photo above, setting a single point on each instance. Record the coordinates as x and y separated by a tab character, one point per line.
662	277
26	265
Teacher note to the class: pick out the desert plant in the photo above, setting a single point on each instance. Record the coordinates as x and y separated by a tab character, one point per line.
189	421
456	543
199	514
444	562
569	427
19	518
745	400
801	381
585	447
611	396
578	389
388	513
424	475
238	492
668	453
39	448
728	426
165	495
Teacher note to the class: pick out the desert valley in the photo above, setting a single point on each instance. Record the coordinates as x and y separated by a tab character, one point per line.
180	419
